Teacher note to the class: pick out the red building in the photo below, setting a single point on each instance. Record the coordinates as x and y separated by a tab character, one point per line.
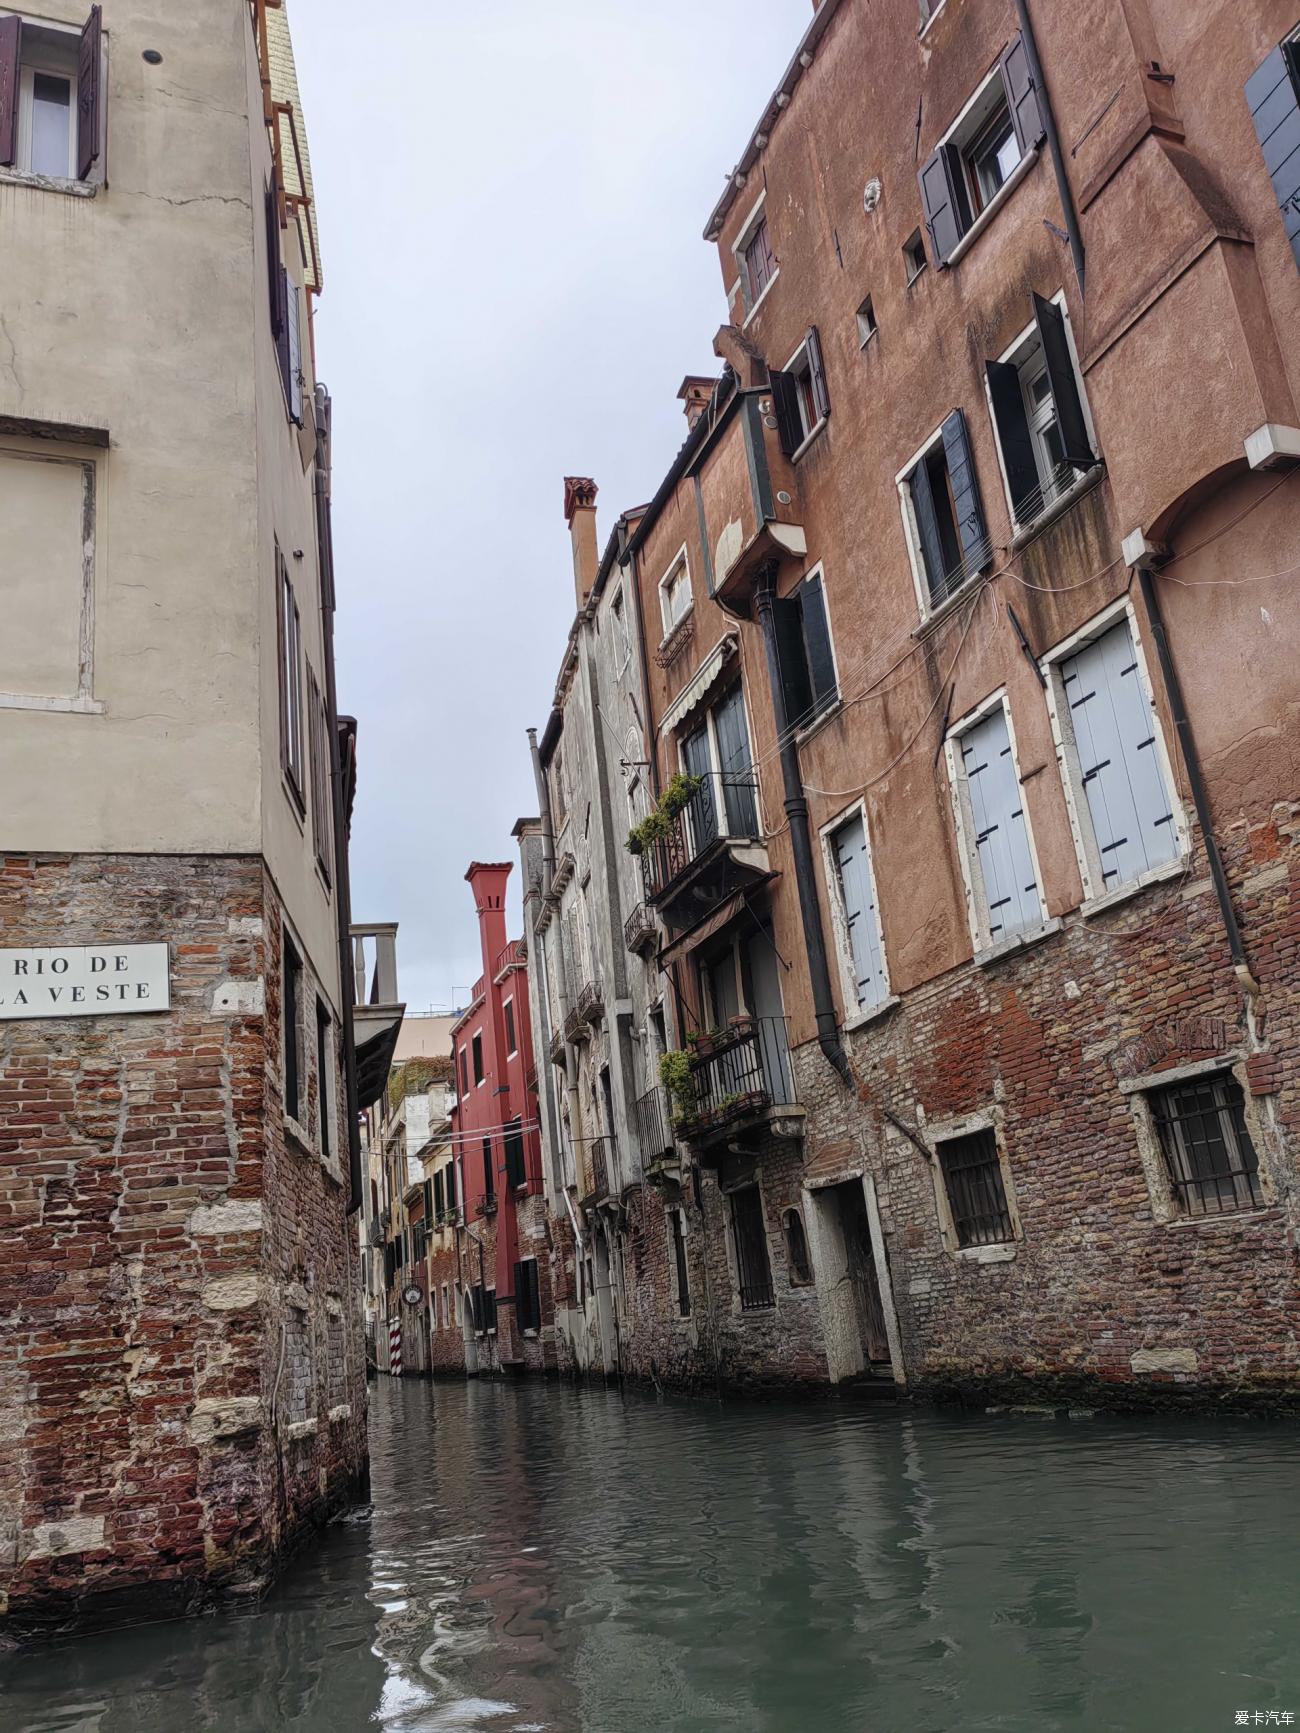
505	1284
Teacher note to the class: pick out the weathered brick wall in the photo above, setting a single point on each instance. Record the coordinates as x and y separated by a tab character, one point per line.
158	1234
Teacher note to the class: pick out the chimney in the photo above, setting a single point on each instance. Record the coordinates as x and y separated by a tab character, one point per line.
487	879
695	393
580	515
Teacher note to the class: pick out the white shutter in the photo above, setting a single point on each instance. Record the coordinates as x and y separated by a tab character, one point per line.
1000	839
1115	734
858	890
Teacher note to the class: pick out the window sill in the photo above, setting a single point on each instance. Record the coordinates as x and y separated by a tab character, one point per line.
49	184
808	438
1084	484
342	1412
1227	1219
296	1133
871	1014
674	629
767	290
803	735
993	954
916	276
1003	1254
991	209
1172	869
80	706
950	604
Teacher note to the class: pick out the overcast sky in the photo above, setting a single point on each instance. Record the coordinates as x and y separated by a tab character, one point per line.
511	197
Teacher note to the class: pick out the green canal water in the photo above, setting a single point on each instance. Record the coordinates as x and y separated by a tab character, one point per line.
544	1560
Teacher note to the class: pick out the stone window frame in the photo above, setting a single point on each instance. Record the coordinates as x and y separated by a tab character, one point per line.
752	1179
679	1318
1155	1169
855	1015
939	1131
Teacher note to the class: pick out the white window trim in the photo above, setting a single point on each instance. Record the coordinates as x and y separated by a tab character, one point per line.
748	229
912	534
864	342
1095	893
977	910
945	1131
680	561
715	762
855	1015
810	433
1085	477
933	15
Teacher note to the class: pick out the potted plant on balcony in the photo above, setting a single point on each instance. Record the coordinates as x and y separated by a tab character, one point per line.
675	1075
657	825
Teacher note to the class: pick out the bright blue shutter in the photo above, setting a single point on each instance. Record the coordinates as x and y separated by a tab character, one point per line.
859	892
1115	732
1001	839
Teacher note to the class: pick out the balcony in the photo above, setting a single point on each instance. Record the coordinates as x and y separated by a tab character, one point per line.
555	1047
377	1013
591	1002
575	1026
655	1133
487	1205
596	1173
717	832
639	930
740	1077
748	494
511	957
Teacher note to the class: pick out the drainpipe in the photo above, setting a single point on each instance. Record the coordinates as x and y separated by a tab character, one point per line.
1053	140
796	808
1196	781
342	879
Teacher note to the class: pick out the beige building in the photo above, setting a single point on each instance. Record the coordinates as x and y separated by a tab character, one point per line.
178	1093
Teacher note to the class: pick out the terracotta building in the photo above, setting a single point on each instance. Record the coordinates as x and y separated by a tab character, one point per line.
966	613
183	1381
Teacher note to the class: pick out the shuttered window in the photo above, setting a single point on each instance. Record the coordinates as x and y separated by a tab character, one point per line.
439	1201
1112	724
947	514
290	640
1273	94
51	98
799	394
514	1147
857	892
528	1302
808	681
1037	401
758	263
321	791
994	831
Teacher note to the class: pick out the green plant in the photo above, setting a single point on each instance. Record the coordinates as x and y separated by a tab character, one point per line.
675	1075
657	825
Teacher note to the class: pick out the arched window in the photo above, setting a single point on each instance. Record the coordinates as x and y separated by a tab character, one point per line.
796	1249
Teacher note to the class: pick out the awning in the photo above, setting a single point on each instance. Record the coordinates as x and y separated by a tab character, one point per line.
702	931
697	688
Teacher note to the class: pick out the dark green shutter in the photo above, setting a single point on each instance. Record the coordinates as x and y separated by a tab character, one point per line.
1065	391
1022	96
796	688
965	494
1013	436
927	528
943	196
817	645
785	404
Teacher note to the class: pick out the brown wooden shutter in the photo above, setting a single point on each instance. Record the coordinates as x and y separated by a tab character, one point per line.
11	34
89	119
817	370
944	200
1022	95
1065	392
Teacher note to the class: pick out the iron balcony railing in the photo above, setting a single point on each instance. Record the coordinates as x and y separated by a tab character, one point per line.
511	956
654	1127
597	1176
742	1069
639	930
725	805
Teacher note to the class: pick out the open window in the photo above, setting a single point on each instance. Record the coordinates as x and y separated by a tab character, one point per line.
675	597
979	155
755	258
808	680
944	515
51	98
799	395
1036	396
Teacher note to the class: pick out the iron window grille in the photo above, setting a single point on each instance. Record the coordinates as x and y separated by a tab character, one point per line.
977	1199
753	1267
679	1259
1212	1163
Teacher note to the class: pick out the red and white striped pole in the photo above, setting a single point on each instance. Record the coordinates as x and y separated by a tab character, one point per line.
395	1346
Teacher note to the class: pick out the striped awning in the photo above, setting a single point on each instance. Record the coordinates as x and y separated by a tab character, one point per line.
700	684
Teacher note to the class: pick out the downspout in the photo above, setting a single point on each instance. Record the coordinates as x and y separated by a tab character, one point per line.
1053	140
1196	781
796	808
342	880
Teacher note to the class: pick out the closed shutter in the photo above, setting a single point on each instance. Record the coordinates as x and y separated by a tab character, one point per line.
1273	93
927	529
817	371
796	689
11	32
1022	96
858	893
293	349
1115	734
965	494
451	1184
1065	390
943	197
1013	436
89	120
1001	840
785	404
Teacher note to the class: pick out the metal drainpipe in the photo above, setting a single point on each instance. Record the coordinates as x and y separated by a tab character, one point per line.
1053	140
1196	781
342	878
796	808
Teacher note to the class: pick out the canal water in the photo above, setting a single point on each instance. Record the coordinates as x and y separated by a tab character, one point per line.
545	1560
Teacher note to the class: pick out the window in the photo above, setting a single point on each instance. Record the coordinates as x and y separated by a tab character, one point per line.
489	1170
51	102
1273	94
291	1018
286	309
514	1147
446	1306
977	1199
799	394
719	753
981	151
999	863
1038	414
490	1311
290	635
861	949
944	515
618	627
528	1300
867	326
681	1276
324	1080
464	1073
1207	1147
808	682
796	1249
476	1051
675	593
322	799
753	1267
914	255
439	1200
508	1013
757	263
1114	762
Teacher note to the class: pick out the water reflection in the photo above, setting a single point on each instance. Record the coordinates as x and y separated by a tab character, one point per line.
562	1562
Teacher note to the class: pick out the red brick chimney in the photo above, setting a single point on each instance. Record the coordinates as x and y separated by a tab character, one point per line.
695	392
580	515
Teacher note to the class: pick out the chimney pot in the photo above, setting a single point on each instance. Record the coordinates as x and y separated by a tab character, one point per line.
580	515
695	394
